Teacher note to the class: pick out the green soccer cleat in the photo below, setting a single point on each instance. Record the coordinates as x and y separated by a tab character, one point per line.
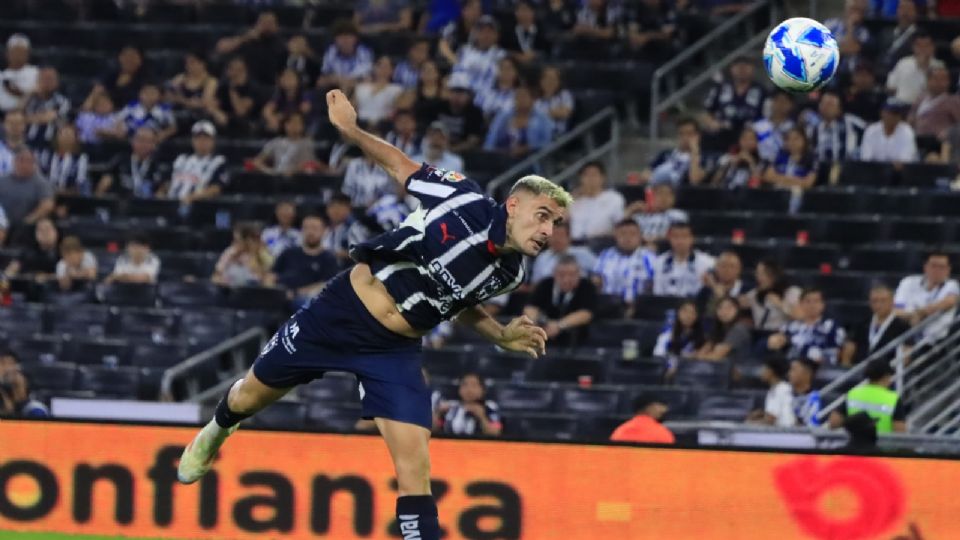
199	455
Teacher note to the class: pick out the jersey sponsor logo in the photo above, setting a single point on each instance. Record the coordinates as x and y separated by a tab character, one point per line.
446	235
447	278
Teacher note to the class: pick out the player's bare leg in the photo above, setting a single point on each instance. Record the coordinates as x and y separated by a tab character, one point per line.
416	509
245	398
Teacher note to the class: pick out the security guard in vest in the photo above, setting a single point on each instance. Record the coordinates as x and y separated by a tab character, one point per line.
875	398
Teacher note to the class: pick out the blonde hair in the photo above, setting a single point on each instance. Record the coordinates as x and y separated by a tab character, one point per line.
539	185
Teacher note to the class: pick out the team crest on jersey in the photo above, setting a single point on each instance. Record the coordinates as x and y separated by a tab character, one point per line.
452	176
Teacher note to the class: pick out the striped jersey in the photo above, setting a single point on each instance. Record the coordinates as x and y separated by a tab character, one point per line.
626	275
444	257
192	173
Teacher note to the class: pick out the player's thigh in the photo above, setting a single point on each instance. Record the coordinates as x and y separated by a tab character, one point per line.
253	394
409	448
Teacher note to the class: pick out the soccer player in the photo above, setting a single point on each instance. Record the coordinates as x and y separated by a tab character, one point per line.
457	250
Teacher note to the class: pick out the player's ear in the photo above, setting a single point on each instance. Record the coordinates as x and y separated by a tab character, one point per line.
512	202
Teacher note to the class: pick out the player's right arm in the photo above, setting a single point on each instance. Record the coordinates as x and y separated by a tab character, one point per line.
344	117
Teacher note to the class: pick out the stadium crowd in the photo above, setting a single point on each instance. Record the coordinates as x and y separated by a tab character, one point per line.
469	77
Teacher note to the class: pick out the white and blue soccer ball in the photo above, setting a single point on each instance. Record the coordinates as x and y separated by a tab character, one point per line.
801	55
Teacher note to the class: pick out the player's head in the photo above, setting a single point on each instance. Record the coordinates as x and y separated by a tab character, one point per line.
627	235
566	274
534	206
471	388
313	227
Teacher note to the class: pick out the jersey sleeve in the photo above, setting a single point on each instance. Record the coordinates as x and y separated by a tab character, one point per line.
432	186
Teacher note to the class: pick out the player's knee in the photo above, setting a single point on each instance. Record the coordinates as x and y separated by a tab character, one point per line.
244	398
413	474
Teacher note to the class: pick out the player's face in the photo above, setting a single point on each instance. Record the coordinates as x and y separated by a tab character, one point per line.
530	221
628	238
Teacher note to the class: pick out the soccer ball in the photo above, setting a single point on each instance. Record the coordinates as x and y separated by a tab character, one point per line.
801	55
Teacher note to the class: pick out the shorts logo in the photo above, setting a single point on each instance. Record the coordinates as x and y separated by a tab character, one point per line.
410	526
289	334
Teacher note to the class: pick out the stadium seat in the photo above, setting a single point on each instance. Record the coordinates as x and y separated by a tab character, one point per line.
654	308
830	201
866	173
681	401
191	294
153	325
568	368
51	377
589	401
109	382
78	205
613	333
849	313
128	294
262	298
82	320
167	210
22	319
446	362
927	175
207	327
281	415
329	417
110	352
723	224
502	365
786	226
646	371
527	397
884	259
848	230
536	426
730	407
943	204
929	231
599	428
800	257
36	349
847	286
162	356
701	198
763	200
702	374
332	388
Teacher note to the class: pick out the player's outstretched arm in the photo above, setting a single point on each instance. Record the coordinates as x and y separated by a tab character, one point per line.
520	334
344	117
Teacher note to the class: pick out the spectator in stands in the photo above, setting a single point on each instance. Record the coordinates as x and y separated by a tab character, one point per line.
339	220
380	17
463	119
937	109
852	22
66	164
682	165
284	234
4	227
560	16
376	99
852	56
812	337
123	84
772	132
19	79
864	99
193	89
555	101
290	154
645	426
908	79
895	43
891	139
681	270
99	123
652	30
261	47
137	264
795	167
778	403
246	261
564	304
656	213
436	149
304	270
346	61
742	166
15	397
200	175
520	129
723	281
456	33
773	302
835	137
138	173
560	247
45	109
875	333
237	106
472	414
403	134
932	292
729	338
875	398
288	98
77	266
407	71
733	103
427	100
595	210
147	111
525	42
625	269
14	137
479	58
806	400
364	181
301	59
24	195
499	97
598	24
682	338
39	256
949	147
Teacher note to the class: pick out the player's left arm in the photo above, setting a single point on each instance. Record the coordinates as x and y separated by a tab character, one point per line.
344	117
520	334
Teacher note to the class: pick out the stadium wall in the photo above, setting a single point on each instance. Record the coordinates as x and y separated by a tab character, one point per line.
120	479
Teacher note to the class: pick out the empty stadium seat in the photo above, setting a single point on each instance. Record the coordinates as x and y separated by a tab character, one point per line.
866	173
702	198
22	319
50	377
208	326
162	356
928	231
830	201
128	294
36	349
540	426
502	365
654	308
262	298
589	401
640	371
883	259
599	428
191	294
730	407
109	382
528	397
326	416
110	352
281	415
152	325
927	175
681	401
798	257
568	368
448	362
702	374
81	320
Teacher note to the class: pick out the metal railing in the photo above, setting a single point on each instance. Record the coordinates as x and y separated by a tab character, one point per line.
191	369
854	375
540	160
703	45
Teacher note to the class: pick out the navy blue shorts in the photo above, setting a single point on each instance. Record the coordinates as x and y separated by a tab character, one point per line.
335	332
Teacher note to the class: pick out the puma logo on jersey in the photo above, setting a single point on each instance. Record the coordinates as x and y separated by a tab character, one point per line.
446	235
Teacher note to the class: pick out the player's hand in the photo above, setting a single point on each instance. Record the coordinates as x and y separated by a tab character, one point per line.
340	111
522	335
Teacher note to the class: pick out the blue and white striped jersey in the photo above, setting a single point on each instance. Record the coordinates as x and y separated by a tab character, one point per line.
445	256
627	275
